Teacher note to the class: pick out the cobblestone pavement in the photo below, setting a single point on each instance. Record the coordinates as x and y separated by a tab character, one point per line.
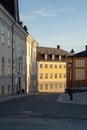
31	121
42	124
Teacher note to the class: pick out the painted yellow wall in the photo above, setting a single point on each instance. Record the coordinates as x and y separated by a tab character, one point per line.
51	84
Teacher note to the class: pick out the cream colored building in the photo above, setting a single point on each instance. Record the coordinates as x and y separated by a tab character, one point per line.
51	76
51	69
12	33
31	52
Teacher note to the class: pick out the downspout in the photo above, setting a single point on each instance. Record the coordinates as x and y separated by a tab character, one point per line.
12	54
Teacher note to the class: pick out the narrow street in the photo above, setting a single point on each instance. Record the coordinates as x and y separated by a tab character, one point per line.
42	111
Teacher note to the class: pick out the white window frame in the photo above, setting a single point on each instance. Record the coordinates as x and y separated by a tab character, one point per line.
2	35
3	66
9	66
9	39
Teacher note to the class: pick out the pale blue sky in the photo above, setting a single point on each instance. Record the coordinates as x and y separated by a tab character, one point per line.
53	22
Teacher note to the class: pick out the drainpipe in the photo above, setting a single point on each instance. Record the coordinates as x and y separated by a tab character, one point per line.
12	55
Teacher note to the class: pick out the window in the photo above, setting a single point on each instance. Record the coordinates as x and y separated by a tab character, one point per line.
18	44
56	86
50	57
60	85
60	66
46	86
46	75
42	55
46	66
79	63
60	75
51	75
51	86
64	75
23	69
41	75
41	86
55	66
64	66
41	66
3	89
80	74
9	40
34	55
2	35
3	66
55	75
51	66
9	67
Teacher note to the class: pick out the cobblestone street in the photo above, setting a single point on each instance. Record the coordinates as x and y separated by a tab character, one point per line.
42	124
43	112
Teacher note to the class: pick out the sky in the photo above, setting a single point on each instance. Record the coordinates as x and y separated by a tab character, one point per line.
56	22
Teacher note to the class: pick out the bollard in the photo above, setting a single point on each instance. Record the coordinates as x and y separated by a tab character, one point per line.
71	95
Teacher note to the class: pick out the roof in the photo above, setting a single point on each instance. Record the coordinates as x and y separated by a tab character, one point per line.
81	54
48	50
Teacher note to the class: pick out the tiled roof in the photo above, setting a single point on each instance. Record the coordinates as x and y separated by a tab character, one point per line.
56	51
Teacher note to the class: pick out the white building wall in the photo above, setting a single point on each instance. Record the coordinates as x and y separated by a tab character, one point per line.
19	54
31	64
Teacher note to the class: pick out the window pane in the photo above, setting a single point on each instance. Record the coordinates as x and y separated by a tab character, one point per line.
3	66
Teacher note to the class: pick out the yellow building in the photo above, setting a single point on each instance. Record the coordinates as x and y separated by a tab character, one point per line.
51	69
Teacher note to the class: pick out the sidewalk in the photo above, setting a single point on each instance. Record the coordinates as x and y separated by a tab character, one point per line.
78	98
10	97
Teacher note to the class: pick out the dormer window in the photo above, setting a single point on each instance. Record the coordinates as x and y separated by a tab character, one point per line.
50	56
43	55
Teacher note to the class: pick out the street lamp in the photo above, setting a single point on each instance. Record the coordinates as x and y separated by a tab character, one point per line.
72	54
71	75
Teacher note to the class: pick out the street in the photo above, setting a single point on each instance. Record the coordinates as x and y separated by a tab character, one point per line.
42	111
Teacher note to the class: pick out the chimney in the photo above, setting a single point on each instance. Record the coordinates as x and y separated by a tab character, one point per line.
25	28
72	52
86	47
58	47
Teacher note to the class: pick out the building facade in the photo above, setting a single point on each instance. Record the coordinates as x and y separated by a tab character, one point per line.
12	54
51	69
31	71
77	70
